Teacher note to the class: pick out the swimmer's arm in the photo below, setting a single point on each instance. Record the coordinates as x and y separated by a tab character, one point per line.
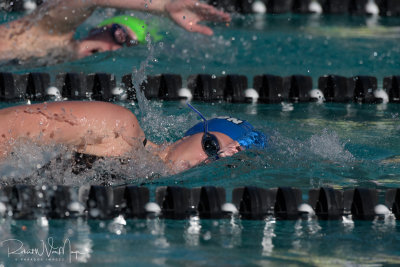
186	13
63	17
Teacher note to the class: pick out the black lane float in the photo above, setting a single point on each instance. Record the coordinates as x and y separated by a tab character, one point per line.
201	87
206	202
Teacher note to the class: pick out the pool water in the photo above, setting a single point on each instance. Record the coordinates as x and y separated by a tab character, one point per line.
310	145
275	44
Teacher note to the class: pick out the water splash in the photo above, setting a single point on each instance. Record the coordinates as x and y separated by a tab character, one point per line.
325	145
161	127
56	164
139	76
328	146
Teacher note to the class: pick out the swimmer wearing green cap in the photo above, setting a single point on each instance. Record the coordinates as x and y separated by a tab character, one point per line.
49	30
137	29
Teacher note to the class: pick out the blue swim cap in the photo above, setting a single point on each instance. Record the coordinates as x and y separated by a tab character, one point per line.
241	131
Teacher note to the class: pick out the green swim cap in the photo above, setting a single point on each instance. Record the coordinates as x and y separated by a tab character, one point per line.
138	26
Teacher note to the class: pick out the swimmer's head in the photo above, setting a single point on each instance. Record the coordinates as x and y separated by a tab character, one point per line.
114	33
215	138
138	27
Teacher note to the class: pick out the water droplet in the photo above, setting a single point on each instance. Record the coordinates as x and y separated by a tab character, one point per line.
207	236
3	208
94	213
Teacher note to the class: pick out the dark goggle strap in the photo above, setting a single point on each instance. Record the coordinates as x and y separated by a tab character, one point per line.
209	142
201	116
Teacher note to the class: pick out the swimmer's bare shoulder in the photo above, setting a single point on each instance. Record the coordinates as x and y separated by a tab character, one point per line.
97	128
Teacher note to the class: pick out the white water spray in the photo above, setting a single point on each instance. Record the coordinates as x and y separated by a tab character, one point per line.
139	77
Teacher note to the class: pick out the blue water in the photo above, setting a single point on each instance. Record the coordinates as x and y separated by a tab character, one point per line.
251	45
310	145
219	243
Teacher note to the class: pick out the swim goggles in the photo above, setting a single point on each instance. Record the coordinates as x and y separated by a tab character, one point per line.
121	39
209	142
118	33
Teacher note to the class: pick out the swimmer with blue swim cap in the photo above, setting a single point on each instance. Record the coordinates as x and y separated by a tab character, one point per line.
238	130
106	130
217	137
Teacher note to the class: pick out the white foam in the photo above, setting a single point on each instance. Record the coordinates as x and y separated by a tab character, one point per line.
120	220
287	107
42	221
328	145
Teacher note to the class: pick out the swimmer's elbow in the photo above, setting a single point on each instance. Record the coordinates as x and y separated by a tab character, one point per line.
132	132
